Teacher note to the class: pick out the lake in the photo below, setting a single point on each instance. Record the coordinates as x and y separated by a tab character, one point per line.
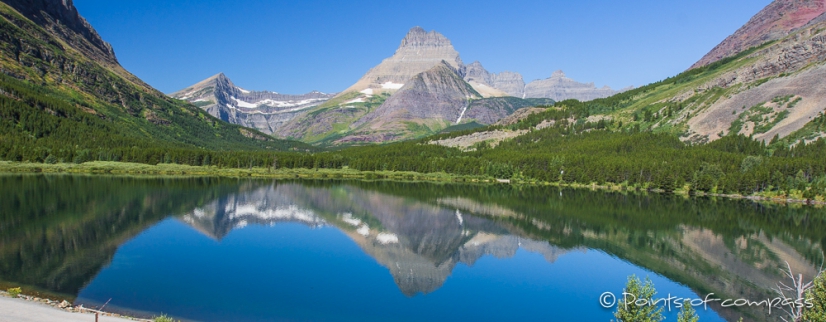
219	249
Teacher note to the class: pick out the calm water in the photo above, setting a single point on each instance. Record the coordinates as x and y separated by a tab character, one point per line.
245	250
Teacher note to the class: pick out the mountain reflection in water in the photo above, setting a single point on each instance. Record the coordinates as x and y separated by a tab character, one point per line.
60	232
419	243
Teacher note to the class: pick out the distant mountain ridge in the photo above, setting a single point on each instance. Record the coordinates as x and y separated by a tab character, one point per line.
261	110
559	87
383	105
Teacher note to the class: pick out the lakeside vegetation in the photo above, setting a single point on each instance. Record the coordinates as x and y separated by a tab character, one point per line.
610	142
172	170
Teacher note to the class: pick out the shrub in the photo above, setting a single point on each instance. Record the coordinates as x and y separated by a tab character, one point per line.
164	318
14	291
51	159
817	297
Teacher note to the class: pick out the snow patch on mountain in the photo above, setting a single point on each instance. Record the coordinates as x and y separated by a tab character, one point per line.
391	85
241	103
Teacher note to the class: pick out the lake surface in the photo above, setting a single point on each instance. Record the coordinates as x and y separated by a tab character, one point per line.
208	249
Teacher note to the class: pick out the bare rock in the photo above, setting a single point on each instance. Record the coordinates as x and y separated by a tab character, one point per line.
418	52
775	21
265	111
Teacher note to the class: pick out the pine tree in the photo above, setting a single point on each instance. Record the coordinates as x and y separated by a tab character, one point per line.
687	313
637	294
817	296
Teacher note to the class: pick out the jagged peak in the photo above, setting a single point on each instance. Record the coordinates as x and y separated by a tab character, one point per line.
418	37
558	74
220	76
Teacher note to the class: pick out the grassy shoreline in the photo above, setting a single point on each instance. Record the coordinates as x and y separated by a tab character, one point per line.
167	170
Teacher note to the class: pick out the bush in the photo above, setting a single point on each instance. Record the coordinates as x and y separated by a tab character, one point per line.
14	291
164	318
51	159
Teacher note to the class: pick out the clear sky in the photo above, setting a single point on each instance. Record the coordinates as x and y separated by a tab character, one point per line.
302	45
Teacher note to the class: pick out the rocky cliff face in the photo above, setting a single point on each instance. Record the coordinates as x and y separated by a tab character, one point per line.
775	21
420	90
418	52
510	82
60	17
261	110
437	95
559	88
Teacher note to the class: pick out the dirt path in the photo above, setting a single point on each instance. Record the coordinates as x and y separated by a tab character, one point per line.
19	310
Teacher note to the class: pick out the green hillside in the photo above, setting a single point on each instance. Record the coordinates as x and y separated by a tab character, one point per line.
55	100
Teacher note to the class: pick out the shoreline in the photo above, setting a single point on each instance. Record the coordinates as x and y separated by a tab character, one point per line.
31	308
177	170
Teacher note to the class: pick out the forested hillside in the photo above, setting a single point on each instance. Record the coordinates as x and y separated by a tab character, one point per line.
63	94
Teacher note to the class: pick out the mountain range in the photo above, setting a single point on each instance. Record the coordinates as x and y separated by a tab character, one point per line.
62	86
765	81
420	90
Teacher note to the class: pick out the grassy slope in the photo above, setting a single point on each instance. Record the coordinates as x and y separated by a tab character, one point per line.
667	114
46	68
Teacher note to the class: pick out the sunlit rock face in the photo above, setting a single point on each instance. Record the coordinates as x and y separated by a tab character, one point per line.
261	110
418	52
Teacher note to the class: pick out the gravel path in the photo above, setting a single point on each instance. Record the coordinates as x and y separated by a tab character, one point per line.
19	310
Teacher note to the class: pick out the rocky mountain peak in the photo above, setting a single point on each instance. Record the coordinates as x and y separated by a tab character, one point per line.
62	19
475	72
265	111
418	37
419	51
558	74
775	21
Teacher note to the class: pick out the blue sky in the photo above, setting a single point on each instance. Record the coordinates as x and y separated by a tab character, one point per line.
298	46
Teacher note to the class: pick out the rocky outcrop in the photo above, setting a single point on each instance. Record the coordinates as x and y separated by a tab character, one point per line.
774	22
60	17
491	110
418	52
261	110
791	67
559	88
